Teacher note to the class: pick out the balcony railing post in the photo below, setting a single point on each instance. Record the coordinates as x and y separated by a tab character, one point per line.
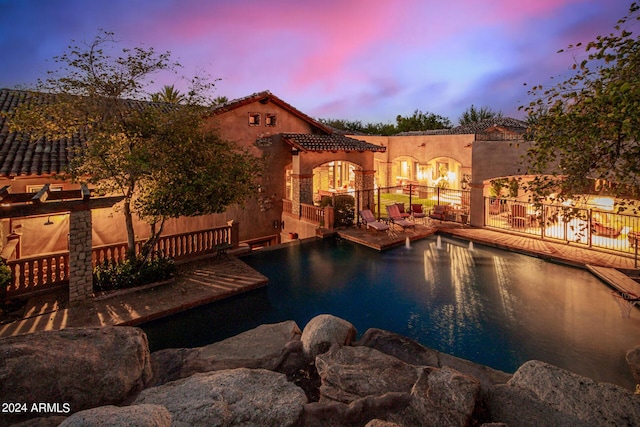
410	194
543	223
356	215
589	213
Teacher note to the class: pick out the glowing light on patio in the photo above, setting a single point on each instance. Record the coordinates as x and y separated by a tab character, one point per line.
604	203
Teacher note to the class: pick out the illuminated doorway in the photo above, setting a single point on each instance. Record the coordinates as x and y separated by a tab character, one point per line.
337	176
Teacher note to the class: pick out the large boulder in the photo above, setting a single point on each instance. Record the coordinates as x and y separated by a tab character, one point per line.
442	396
81	367
265	347
398	346
543	394
53	421
351	373
409	351
633	359
381	423
356	413
114	416
248	397
325	330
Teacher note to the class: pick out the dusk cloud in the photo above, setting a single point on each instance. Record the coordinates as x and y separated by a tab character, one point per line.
360	60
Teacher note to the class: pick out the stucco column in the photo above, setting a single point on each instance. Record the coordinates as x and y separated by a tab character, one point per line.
476	218
384	174
302	191
80	268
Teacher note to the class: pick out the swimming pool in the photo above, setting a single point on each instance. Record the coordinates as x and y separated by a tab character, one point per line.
490	306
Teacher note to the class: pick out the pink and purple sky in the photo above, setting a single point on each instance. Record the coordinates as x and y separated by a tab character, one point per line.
366	60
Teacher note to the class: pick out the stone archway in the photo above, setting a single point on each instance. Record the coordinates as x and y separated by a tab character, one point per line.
310	173
335	177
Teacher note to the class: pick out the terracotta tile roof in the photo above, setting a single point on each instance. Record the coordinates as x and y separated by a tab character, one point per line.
19	156
335	142
509	123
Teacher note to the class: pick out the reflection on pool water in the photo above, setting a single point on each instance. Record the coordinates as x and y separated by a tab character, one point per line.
493	307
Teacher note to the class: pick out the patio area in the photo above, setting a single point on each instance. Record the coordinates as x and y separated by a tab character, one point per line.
381	240
196	283
211	279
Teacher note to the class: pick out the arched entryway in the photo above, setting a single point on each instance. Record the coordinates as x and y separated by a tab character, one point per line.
334	177
325	163
443	172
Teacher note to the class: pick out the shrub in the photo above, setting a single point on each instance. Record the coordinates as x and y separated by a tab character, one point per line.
5	275
110	276
344	208
5	280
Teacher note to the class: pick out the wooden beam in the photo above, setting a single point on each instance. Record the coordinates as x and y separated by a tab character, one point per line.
42	195
57	207
86	193
4	191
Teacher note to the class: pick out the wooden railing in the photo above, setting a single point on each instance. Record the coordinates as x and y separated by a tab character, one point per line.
32	274
311	213
308	213
287	206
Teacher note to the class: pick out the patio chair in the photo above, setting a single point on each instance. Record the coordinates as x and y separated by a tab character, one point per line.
439	212
396	218
518	217
494	207
370	221
418	213
605	228
403	214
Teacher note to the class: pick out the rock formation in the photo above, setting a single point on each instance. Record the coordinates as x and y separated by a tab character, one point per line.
278	375
82	368
134	415
239	396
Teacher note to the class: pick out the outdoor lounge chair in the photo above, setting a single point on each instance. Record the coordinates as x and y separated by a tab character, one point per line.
370	221
607	230
403	214
494	207
439	212
396	218
417	212
518	217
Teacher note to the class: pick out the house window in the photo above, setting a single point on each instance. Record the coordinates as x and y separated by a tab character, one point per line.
36	188
270	120
254	119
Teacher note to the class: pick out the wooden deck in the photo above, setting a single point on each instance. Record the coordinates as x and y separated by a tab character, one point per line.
617	280
572	254
380	240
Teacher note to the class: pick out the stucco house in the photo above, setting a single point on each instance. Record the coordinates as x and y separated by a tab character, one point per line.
307	164
291	142
306	160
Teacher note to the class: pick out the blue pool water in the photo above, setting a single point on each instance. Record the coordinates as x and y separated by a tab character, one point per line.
493	307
